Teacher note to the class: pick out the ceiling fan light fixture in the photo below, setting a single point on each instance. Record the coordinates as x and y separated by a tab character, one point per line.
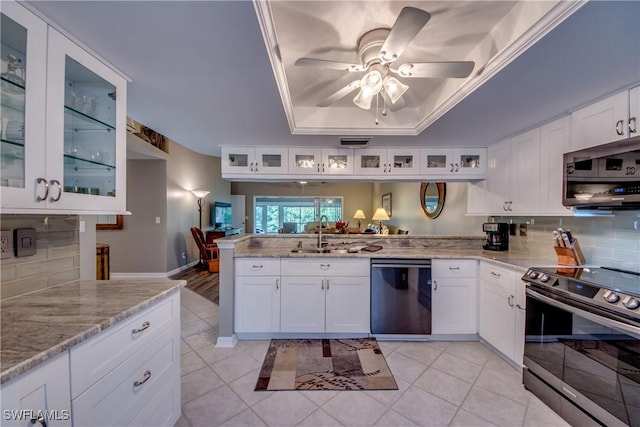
394	88
371	83
363	100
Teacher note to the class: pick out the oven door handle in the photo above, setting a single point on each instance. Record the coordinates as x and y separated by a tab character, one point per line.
630	329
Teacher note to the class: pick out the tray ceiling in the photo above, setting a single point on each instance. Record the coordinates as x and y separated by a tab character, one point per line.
489	33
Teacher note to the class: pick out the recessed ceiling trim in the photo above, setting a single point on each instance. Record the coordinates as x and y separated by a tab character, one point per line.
550	21
265	19
505	55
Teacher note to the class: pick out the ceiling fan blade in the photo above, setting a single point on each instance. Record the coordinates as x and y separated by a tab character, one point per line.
325	63
407	26
341	93
458	69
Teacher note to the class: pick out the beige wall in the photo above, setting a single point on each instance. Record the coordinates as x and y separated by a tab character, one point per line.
356	195
146	200
186	171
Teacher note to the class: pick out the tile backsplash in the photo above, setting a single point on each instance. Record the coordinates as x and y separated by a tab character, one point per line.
56	261
612	241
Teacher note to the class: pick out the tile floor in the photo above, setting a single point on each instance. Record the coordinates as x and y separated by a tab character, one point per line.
440	384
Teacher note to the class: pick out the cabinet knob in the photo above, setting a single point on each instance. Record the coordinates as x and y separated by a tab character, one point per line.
457	167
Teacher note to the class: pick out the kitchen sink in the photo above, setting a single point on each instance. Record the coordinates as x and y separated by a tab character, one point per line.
311	251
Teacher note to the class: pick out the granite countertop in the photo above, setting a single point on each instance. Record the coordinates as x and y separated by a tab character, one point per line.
41	324
507	259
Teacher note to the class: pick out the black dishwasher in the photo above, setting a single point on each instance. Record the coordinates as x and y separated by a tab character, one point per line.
401	296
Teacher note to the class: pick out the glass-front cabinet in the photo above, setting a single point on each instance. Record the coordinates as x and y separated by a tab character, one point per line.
325	161
63	122
381	161
466	162
258	160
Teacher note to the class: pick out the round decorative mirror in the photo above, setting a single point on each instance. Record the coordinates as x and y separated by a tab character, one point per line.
432	196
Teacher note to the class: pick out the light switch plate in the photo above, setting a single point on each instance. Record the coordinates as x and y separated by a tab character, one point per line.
6	244
25	241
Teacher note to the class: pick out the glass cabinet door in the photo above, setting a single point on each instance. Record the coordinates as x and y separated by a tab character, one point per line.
89	132
436	161
272	160
403	161
337	161
370	161
22	109
305	161
86	121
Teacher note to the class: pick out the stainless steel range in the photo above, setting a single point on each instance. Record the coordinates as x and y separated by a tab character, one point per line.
582	343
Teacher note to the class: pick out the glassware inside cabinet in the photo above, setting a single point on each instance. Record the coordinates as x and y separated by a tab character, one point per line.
13	48
89	132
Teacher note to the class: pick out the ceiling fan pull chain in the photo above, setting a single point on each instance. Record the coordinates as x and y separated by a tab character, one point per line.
377	109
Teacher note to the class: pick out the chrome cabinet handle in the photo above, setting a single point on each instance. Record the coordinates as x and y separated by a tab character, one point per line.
633	129
510	203
144	327
510	300
57	184
256	267
327	281
46	189
277	284
451	170
138	383
457	167
318	167
322	285
454	268
323	168
435	285
520	307
325	266
40	420
620	127
494	274
504	206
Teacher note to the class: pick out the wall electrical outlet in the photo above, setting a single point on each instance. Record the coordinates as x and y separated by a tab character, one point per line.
6	244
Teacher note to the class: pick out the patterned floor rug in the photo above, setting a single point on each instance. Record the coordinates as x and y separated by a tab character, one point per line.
325	364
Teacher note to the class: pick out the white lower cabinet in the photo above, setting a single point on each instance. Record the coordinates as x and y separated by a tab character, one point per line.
325	295
257	295
501	320
123	371
43	393
453	296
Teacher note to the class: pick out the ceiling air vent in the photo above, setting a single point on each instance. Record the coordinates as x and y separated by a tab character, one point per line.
354	142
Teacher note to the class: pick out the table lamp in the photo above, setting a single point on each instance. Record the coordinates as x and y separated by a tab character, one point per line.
359	215
380	215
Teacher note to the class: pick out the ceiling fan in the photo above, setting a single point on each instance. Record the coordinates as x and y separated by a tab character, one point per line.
378	50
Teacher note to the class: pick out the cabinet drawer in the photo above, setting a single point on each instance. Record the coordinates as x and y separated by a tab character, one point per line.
454	268
257	267
163	410
498	277
156	362
96	357
325	267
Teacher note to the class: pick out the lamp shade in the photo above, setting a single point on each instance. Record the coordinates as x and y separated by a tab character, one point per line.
359	214
380	215
200	193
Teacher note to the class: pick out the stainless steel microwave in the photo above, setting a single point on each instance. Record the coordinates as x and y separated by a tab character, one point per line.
606	176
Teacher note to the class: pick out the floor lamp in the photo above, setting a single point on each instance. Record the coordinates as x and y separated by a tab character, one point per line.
200	194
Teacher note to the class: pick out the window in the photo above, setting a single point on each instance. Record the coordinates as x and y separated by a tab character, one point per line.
272	213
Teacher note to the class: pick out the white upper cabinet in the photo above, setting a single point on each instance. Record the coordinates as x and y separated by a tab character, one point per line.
381	161
321	161
64	121
525	191
554	140
255	160
498	177
611	119
458	162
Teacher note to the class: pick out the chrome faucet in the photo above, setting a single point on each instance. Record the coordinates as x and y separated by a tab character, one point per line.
320	230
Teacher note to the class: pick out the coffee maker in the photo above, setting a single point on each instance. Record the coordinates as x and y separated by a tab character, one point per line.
497	236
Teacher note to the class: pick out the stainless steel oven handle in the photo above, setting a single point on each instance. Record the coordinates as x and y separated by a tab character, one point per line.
630	329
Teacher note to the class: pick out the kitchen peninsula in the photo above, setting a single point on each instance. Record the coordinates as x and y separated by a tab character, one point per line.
79	347
257	272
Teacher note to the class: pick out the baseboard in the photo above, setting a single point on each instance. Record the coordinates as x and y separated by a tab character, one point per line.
182	268
226	342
